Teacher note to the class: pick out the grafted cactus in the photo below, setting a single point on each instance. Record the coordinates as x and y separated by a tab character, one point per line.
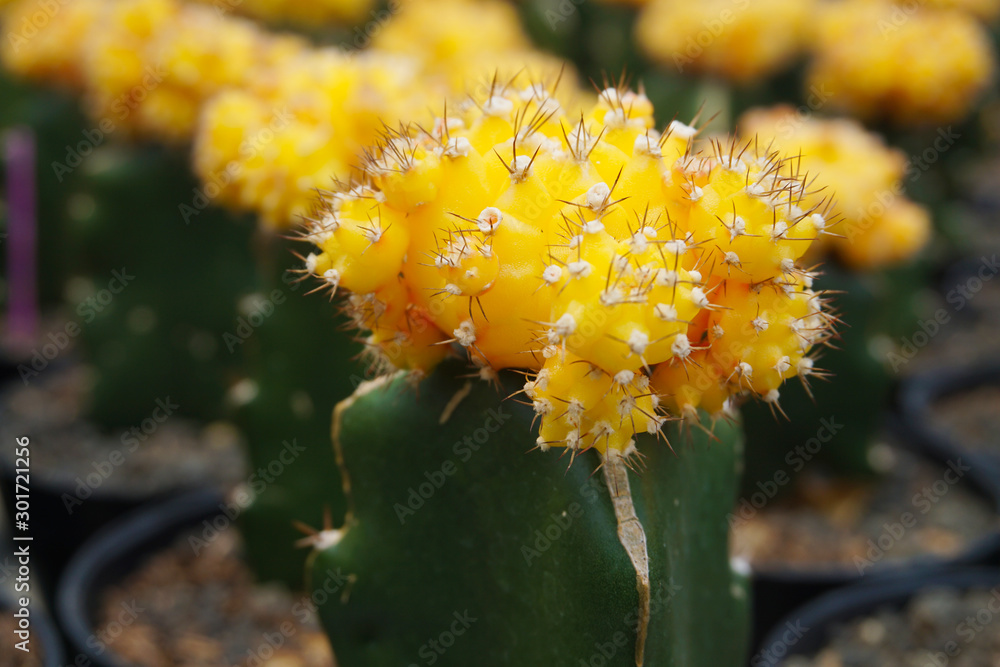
634	277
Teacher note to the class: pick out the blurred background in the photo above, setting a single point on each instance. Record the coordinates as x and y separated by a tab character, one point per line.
176	383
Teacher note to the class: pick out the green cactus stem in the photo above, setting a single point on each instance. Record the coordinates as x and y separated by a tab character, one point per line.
459	544
300	363
160	295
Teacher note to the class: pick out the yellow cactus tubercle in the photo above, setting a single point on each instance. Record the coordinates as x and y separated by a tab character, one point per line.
740	40
922	67
634	275
876	225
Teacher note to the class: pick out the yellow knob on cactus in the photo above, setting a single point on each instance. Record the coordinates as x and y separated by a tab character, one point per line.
635	274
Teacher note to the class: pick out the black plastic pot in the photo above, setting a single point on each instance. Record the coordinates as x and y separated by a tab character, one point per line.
57	534
62	516
808	629
112	554
45	639
919	393
777	592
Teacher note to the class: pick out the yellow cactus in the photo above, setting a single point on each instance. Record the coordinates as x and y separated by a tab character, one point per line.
47	45
629	271
458	41
298	127
632	3
875	223
922	66
987	10
308	14
154	63
335	104
145	66
740	40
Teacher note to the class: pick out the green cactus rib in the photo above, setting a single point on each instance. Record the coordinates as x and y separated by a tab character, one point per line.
460	547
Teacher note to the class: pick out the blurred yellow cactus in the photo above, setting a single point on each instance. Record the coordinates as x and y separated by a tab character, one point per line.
876	224
273	119
740	40
914	66
618	263
145	66
458	42
307	14
987	10
48	44
269	146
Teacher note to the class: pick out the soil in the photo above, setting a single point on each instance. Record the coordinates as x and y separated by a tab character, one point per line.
933	629
180	609
958	344
973	417
911	510
17	658
966	322
176	452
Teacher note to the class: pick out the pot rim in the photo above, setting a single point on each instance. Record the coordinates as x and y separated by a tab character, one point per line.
115	550
850	602
981	479
42	628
